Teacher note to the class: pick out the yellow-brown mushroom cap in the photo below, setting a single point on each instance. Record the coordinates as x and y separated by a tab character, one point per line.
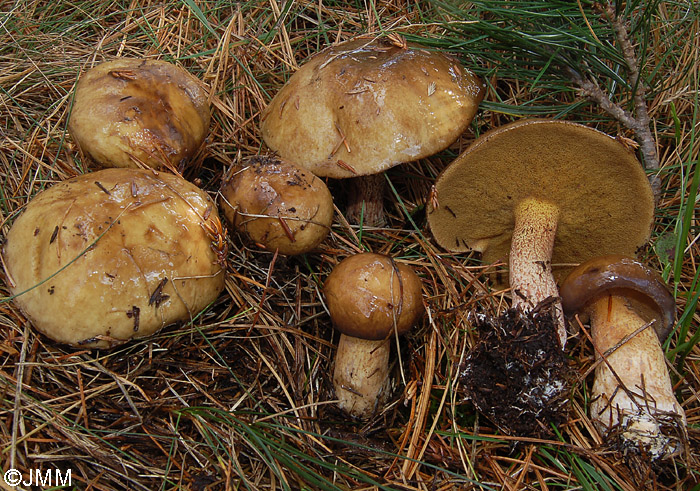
642	287
604	199
278	205
368	295
115	254
131	111
368	105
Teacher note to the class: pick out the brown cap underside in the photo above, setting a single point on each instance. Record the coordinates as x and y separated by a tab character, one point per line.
605	200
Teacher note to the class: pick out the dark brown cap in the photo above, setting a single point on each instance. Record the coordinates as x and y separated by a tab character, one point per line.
643	288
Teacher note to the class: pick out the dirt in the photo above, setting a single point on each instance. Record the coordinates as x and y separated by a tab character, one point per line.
517	374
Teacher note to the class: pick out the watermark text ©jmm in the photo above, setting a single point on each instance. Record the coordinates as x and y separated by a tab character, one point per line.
36	477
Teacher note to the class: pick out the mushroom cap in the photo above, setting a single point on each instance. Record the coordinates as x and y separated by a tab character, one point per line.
115	254
642	287
367	294
278	205
390	104
129	111
605	202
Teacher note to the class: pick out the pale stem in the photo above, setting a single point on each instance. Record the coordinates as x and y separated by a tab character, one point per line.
531	278
361	374
632	386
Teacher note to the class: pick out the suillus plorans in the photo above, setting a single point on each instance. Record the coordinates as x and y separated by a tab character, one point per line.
278	205
363	106
631	312
112	255
542	195
372	299
539	193
131	112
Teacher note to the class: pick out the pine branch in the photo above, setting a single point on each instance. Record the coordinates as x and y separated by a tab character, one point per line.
638	123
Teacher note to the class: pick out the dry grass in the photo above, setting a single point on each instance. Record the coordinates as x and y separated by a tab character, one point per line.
241	396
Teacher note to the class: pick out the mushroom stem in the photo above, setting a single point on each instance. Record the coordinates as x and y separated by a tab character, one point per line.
366	200
361	374
531	278
632	391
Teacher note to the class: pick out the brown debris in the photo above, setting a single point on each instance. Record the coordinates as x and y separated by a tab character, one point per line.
157	297
517	374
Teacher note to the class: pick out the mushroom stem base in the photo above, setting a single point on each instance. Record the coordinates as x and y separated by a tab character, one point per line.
531	278
366	200
632	392
361	374
516	375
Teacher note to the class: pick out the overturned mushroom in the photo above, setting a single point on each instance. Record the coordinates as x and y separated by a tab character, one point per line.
371	299
538	193
631	311
363	106
134	112
278	205
113	255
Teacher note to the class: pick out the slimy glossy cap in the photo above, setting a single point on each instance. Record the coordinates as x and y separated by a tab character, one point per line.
130	112
368	294
112	255
643	288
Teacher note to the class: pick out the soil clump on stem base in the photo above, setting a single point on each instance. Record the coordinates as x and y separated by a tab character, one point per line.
517	374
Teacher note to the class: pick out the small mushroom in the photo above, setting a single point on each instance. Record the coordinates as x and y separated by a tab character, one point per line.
278	205
134	112
371	299
631	312
112	255
365	105
540	192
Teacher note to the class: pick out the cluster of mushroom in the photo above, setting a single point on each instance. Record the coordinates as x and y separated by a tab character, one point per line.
352	111
119	253
124	251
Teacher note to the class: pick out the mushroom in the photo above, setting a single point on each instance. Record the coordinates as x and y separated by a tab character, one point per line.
278	205
134	112
632	393
540	192
371	299
365	105
112	255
